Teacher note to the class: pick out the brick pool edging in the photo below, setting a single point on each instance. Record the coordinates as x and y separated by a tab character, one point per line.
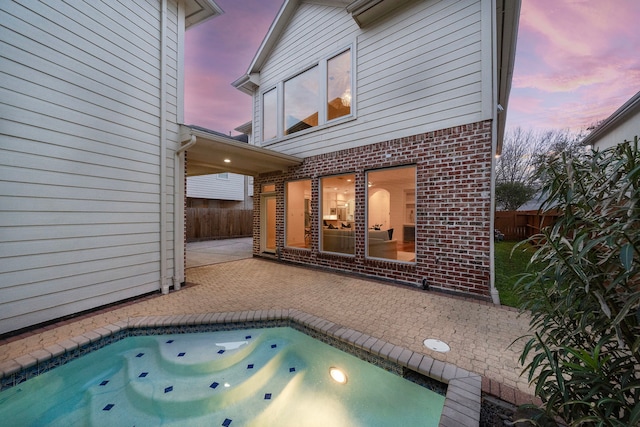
463	396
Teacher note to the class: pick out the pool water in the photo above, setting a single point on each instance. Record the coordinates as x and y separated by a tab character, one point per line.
257	377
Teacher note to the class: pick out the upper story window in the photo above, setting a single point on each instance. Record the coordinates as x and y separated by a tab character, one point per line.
339	86
310	99
270	115
301	101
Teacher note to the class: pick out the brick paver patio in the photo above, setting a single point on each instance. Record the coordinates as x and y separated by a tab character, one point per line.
480	334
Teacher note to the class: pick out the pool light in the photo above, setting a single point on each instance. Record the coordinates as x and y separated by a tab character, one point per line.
437	345
338	376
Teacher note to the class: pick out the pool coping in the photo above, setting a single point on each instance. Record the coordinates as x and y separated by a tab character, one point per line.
464	388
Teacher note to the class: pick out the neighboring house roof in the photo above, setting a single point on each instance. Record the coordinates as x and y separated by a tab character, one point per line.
210	149
198	11
241	138
245	128
628	110
366	11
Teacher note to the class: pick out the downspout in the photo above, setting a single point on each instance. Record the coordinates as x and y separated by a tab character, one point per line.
178	203
164	285
493	291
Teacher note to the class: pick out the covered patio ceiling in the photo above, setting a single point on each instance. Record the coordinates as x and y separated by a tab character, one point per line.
212	153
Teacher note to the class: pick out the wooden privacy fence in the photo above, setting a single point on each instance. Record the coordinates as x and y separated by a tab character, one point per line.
209	223
520	225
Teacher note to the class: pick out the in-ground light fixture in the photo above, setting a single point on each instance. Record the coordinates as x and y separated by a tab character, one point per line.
337	375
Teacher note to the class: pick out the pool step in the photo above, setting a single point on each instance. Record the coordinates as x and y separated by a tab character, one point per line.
259	376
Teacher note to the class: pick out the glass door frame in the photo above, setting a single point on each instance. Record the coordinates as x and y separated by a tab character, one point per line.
265	200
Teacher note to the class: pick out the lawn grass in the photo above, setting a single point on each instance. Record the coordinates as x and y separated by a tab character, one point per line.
508	268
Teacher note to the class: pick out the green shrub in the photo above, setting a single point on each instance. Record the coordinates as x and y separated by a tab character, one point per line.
511	195
584	296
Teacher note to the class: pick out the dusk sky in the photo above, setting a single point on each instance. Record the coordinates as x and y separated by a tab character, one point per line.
577	61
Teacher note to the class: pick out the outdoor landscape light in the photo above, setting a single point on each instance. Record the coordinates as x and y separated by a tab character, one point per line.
338	376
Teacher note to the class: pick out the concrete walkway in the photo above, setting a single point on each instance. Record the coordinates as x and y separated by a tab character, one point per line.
216	251
480	334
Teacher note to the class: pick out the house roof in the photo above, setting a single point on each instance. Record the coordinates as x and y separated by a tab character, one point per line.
508	18
211	148
618	117
198	11
245	128
362	11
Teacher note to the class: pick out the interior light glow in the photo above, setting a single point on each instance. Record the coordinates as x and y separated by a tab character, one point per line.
346	98
338	376
227	160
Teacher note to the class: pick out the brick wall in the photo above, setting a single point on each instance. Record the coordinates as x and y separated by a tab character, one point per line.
452	208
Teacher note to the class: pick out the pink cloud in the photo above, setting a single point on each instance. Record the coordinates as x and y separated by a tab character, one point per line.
576	62
217	53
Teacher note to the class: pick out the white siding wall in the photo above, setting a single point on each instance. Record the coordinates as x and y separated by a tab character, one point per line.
80	156
419	69
214	187
625	131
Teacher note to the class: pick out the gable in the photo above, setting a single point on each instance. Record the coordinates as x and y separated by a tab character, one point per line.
423	65
362	12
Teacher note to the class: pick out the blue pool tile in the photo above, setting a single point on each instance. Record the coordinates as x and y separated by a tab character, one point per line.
108	407
105	382
214	385
267	396
143	374
274	345
168	389
169	342
139	354
181	354
250	366
292	369
227	422
220	351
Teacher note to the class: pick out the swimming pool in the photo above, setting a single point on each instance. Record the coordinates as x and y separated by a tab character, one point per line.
252	377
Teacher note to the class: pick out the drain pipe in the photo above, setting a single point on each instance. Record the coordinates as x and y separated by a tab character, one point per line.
495	297
164	285
178	220
496	109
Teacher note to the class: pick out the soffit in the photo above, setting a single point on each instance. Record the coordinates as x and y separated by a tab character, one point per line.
197	11
507	20
366	11
211	149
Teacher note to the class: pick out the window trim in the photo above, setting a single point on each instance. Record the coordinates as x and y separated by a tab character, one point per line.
321	214
323	123
326	87
262	110
286	211
281	118
366	210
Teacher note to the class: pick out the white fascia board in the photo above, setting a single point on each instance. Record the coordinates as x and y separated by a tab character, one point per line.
199	11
